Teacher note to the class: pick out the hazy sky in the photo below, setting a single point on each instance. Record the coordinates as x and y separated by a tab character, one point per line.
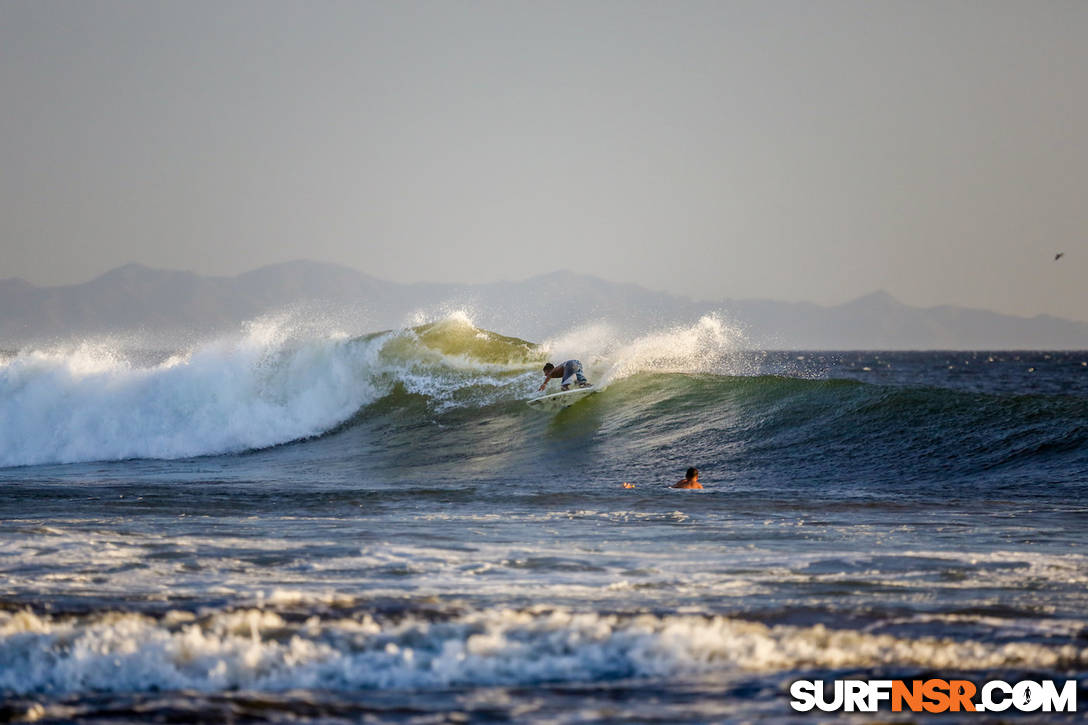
793	150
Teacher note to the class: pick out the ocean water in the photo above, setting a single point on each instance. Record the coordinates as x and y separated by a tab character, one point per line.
308	526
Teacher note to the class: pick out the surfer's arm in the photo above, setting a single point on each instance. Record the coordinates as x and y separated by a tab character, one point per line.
547	377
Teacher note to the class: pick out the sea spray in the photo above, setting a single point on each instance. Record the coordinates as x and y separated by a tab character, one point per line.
709	346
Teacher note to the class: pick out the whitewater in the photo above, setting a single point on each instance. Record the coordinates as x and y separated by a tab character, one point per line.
297	523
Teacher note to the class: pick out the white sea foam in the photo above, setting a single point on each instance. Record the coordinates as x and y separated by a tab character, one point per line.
707	346
258	390
540	565
257	649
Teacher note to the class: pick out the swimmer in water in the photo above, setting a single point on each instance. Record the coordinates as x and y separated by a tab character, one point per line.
691	481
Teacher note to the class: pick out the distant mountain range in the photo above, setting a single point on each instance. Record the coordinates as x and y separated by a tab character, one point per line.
162	304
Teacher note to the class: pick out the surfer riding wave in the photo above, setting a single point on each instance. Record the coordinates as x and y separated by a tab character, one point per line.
569	369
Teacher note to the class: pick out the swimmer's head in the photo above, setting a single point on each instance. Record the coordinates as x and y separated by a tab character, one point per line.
693	473
548	368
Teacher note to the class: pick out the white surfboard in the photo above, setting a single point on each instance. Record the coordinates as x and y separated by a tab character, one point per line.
560	400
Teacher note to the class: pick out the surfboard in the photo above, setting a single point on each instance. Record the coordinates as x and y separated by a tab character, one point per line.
560	400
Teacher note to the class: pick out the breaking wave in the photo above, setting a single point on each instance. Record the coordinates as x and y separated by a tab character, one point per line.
260	650
276	383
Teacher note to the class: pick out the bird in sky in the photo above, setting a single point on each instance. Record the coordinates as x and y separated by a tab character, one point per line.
1058	256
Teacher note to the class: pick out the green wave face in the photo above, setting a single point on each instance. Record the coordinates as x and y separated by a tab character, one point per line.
449	364
455	342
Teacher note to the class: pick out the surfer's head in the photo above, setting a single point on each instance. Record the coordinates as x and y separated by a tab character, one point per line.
548	367
693	473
